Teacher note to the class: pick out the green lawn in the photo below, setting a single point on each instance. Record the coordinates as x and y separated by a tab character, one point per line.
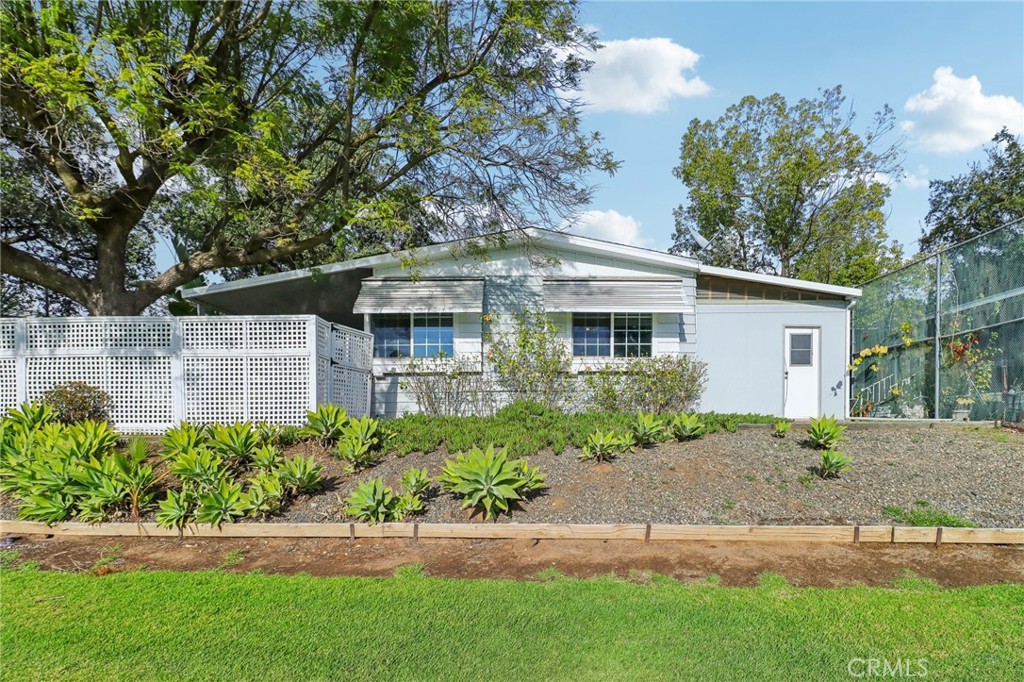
226	626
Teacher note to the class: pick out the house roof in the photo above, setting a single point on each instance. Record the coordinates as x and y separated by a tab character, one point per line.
344	272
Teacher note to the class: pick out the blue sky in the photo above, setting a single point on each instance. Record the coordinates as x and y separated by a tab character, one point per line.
953	72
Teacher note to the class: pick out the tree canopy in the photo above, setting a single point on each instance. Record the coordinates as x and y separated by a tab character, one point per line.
255	133
789	190
988	196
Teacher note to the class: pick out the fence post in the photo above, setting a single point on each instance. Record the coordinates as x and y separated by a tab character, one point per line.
177	372
313	348
938	330
21	361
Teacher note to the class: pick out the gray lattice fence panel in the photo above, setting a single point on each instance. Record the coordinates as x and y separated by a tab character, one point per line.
204	369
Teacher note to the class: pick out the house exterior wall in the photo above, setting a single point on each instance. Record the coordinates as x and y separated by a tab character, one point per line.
514	283
743	346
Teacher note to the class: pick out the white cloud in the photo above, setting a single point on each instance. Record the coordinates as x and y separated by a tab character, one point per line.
916	180
609	225
641	75
954	116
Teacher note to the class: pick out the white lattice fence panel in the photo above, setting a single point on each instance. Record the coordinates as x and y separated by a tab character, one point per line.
277	335
141	389
60	334
351	348
351	389
8	383
323	380
45	372
214	389
153	333
211	333
7	336
278	389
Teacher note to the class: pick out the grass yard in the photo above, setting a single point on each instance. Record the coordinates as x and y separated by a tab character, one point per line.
222	625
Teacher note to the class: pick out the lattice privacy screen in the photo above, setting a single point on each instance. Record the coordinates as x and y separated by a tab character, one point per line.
159	371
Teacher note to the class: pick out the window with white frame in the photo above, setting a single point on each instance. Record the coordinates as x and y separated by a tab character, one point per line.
417	335
620	335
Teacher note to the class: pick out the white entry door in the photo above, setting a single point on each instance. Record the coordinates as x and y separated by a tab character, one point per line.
802	398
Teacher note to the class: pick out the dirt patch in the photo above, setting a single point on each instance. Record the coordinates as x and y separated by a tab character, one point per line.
825	565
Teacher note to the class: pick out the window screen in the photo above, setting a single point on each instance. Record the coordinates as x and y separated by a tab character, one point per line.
633	335
800	346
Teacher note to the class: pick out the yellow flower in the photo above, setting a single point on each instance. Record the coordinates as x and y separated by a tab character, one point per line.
857	362
874	367
866	353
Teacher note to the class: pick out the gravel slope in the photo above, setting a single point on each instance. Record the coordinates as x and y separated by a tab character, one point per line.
748	477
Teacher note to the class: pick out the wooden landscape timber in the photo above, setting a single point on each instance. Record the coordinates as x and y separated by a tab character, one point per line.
539	531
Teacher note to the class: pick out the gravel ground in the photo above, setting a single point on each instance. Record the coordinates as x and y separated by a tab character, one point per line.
748	477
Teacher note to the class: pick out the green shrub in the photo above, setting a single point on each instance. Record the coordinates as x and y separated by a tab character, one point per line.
660	384
603	445
647	429
782	428
687	427
77	401
833	463
487	480
287	435
530	360
825	433
923	514
300	474
325	423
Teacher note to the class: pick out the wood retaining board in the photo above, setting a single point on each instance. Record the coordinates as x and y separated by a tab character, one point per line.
540	531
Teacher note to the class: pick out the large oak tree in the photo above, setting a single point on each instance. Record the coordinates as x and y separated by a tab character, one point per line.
791	190
256	133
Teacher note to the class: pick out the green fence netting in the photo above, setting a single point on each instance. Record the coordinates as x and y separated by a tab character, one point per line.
969	364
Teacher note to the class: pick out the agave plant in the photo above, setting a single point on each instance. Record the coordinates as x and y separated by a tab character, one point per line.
415	481
182	438
687	427
782	428
603	445
485	479
177	509
373	502
833	463
31	416
647	429
367	431
49	509
358	454
266	458
265	494
326	423
88	439
234	442
300	474
825	433
224	504
200	469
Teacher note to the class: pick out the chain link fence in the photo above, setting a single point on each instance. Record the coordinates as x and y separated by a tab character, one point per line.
943	337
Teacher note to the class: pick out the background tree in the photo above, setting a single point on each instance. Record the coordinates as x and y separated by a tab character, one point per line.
988	196
789	190
256	133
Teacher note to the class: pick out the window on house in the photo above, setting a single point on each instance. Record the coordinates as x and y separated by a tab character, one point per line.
418	335
622	335
800	349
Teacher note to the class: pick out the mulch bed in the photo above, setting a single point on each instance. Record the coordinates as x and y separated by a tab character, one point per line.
747	477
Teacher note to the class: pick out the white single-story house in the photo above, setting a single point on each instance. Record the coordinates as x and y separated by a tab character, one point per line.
772	345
